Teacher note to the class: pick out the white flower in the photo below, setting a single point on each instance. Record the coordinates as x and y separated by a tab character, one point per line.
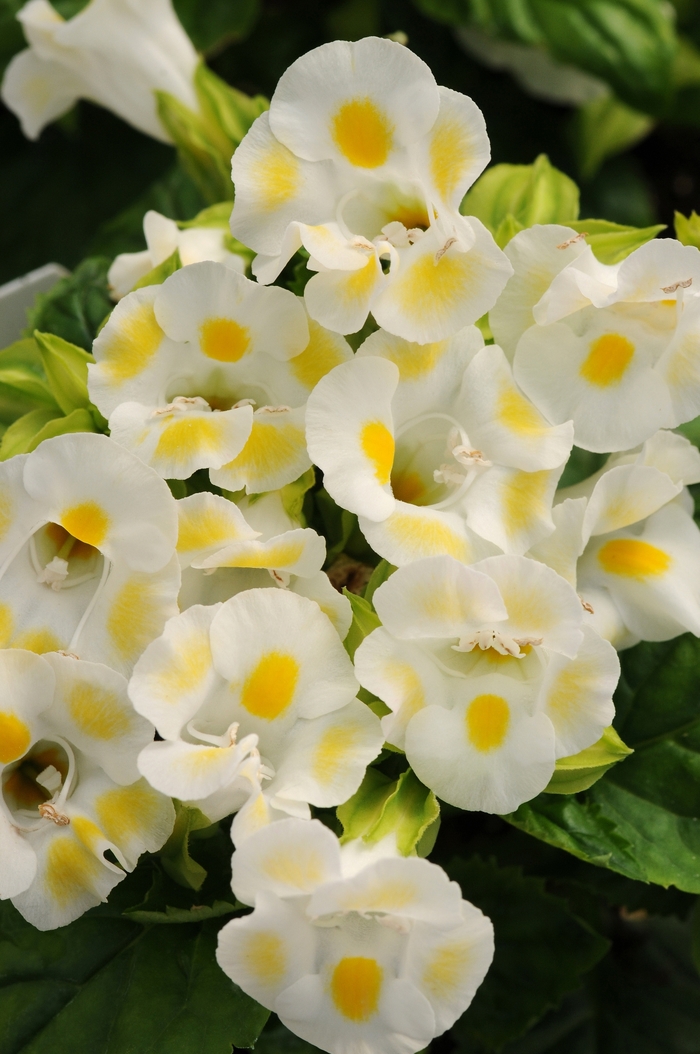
257	688
71	792
114	52
87	551
364	161
436	449
616	348
354	951
490	675
163	237
223	552
211	370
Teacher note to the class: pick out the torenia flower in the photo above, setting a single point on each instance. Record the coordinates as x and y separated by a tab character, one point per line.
631	545
616	349
364	161
490	675
436	449
71	792
353	950
258	688
115	52
163	237
211	370
87	551
223	551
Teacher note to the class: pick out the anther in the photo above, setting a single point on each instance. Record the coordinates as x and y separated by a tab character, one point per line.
571	241
677	285
49	812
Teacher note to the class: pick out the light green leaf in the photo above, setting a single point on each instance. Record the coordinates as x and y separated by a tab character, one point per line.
77	421
582	770
22	383
178	916
158	274
20	434
605	127
613	242
293	495
65	365
537	193
213	216
687	228
364	621
381	807
382	571
507	229
175	854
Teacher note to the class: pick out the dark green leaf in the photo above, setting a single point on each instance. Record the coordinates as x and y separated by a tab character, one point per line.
215	23
76	305
175	854
582	770
65	366
364	621
402	807
605	127
196	913
158	274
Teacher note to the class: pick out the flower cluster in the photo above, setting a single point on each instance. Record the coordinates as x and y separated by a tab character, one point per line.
485	650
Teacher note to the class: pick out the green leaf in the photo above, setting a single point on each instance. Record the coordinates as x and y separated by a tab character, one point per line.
382	571
109	985
507	229
19	435
77	421
605	127
214	24
537	193
403	807
23	385
582	770
364	621
542	951
613	242
178	916
293	495
76	305
642	818
11	35
687	228
158	274
175	854
65	366
213	216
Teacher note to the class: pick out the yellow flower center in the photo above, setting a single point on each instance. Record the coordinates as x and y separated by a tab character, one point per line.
355	987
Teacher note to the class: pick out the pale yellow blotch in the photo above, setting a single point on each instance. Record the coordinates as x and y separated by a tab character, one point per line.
15	738
135	617
358	284
318	358
332	751
633	558
6	511
279	556
269	689
186	669
303	870
70	869
383	896
450	154
571	688
524	500
427	288
40	641
224	339
515	412
88	833
187	435
7	624
684	366
409	686
88	522
426	537
128	350
269	449
445	969
126	812
607	360
356	984
377	445
275	176
97	712
362	132
415	360
264	956
487	719
204	528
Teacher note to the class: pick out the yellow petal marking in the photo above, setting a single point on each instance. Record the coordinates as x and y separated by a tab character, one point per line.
269	449
7	624
37	640
264	956
186	668
126	812
136	617
15	738
71	869
450	154
321	354
129	346
269	689
203	528
427	288
487	719
607	360
362	132
377	444
188	435
356	985
410	687
426	537
88	833
445	969
332	752
223	339
414	360
633	558
524	499
275	176
6	511
88	522
301	869
387	895
357	285
97	712
515	412
278	556
571	688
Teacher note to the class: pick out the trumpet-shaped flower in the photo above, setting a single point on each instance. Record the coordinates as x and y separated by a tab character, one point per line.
223	552
70	788
354	950
490	674
211	370
87	551
436	449
258	688
116	53
364	161
616	348
163	238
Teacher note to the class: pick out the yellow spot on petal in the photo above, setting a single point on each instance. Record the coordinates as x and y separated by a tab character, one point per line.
607	360
377	444
487	719
301	869
445	969
128	347
15	738
391	895
97	712
450	154
186	669
363	133
414	360
572	688
270	688
515	412
6	511
332	751
136	617
188	435
426	537
269	450
356	985
427	288
408	684
223	339
88	522
278	556
633	558
524	499
203	528
71	869
407	486
275	176
6	625
264	956
40	641
88	833
126	812
357	285
321	354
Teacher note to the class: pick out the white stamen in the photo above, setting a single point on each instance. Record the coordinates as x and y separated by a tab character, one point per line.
184	404
54	574
274	410
50	779
396	234
500	642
